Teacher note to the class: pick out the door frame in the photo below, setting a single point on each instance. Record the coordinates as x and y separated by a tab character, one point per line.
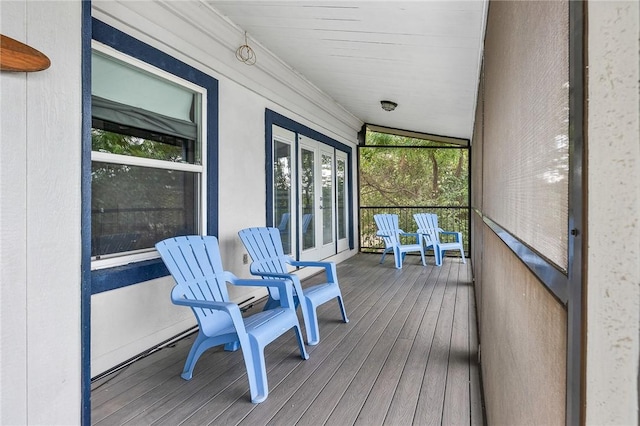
273	118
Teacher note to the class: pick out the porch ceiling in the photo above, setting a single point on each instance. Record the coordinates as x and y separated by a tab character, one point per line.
424	55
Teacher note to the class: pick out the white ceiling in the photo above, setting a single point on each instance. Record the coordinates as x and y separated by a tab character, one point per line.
424	55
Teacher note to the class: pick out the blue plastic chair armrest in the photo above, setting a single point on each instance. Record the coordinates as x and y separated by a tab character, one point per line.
457	234
272	274
311	263
410	234
206	304
329	267
261	283
284	287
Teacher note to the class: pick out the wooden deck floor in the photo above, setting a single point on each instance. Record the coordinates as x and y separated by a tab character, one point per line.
407	356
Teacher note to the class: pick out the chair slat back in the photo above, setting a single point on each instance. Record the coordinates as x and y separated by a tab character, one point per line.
306	221
265	248
194	262
284	220
388	224
428	224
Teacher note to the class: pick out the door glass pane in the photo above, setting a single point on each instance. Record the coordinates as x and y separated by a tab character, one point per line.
282	192
341	196
327	199
307	199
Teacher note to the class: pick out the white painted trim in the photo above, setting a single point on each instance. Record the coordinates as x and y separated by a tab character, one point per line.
120	259
145	66
107	157
124	258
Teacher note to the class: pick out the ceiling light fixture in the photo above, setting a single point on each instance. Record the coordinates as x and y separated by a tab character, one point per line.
388	105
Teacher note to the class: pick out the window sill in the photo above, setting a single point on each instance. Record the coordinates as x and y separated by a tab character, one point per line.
126	275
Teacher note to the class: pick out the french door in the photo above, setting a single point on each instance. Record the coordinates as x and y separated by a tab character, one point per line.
310	193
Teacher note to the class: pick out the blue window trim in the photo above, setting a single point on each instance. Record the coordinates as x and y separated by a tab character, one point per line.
133	273
271	118
85	220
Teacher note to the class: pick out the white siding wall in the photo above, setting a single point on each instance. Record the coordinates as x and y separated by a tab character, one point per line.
40	152
129	320
613	274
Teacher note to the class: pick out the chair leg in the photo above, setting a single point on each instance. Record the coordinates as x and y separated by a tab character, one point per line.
311	323
398	257
384	253
199	346
303	350
253	354
424	263
342	309
462	255
308	314
426	246
232	346
438	254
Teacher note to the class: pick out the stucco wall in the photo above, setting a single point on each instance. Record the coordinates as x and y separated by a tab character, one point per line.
613	173
40	150
127	321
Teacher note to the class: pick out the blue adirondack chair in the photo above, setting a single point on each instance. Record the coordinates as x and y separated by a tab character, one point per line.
201	284
390	232
306	221
284	221
430	231
269	261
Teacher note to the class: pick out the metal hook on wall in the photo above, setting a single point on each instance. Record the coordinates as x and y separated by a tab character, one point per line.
245	53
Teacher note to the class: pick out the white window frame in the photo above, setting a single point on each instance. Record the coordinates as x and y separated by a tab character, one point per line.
342	243
123	258
287	137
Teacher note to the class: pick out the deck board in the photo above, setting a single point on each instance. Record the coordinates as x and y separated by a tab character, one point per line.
407	356
405	400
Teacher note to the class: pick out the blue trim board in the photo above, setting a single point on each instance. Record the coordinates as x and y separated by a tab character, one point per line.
85	220
271	118
268	170
350	198
112	278
122	276
555	281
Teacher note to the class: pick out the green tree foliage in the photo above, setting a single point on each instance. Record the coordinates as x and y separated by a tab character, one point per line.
425	176
134	207
115	143
406	175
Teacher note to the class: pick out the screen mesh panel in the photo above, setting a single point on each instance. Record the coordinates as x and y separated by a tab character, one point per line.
476	150
526	155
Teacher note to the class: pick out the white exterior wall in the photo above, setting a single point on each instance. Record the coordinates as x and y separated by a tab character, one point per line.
613	270
127	321
40	151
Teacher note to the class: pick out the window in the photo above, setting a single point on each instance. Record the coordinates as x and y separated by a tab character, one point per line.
147	162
